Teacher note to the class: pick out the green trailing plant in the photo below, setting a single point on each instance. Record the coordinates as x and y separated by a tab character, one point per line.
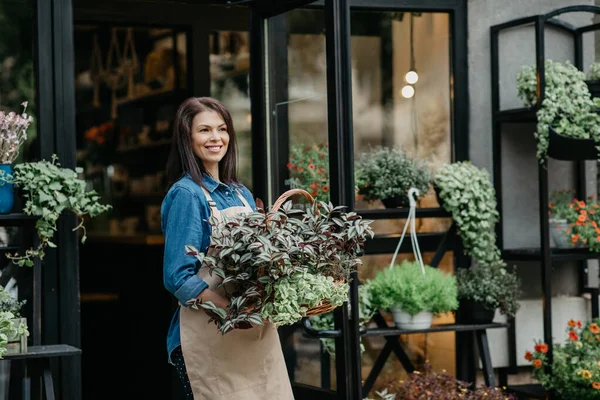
8	330
50	190
365	313
282	263
493	287
386	173
405	286
568	107
594	73
467	193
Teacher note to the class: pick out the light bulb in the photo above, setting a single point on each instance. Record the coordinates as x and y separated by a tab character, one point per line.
408	91
412	77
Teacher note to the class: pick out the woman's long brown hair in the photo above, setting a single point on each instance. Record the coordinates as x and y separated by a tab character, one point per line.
182	158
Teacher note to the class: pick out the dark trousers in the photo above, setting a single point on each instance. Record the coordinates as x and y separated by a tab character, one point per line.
177	357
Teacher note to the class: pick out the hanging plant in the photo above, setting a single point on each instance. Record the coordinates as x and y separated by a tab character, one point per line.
49	190
568	107
467	193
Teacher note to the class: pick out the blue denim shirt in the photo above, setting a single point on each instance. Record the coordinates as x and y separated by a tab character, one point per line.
184	220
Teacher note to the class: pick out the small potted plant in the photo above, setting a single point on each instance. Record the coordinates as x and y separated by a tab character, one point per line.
16	341
568	125
467	193
562	215
13	133
575	369
414	295
387	174
50	190
593	81
482	290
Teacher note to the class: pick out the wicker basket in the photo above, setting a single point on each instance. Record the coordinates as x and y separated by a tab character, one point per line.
325	306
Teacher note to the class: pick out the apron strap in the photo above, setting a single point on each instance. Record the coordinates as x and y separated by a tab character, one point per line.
214	211
243	199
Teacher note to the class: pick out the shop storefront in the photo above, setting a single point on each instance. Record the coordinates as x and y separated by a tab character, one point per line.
103	80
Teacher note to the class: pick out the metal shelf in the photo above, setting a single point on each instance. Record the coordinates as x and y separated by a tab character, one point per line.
516	115
55	350
535	391
17	219
433	329
535	254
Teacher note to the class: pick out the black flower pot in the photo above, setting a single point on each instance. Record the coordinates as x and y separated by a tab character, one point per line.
437	191
594	88
475	313
562	147
394	202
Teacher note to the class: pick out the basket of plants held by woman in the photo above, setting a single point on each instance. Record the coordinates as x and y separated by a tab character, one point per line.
284	264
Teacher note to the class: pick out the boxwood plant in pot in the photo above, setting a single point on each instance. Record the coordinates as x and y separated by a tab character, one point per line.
482	290
388	173
568	109
467	193
412	295
50	190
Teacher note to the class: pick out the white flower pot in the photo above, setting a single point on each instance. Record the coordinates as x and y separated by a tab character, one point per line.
404	320
18	343
557	232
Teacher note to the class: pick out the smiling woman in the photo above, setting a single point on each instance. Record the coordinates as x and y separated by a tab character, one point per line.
210	140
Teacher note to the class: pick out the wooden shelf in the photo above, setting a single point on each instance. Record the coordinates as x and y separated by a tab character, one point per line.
137	239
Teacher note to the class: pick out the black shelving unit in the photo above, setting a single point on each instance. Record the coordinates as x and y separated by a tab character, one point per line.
500	118
33	368
466	334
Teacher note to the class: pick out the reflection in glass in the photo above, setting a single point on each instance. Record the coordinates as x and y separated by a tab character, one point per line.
229	76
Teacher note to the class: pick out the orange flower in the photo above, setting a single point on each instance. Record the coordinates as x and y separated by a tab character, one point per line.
314	193
581	204
574	238
573	336
583	212
313	185
528	356
592	212
572	323
551	205
537	363
594	224
594	328
541	348
581	218
300	169
322	155
579	223
596	385
310	166
325	188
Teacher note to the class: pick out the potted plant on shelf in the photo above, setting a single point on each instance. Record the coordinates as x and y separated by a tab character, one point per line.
482	290
387	174
16	340
283	265
309	170
593	82
13	133
575	370
563	212
467	193
582	227
413	295
50	190
568	126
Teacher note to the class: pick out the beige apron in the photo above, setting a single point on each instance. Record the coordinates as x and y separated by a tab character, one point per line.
243	364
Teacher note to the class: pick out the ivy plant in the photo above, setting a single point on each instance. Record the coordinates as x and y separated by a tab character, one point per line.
405	286
384	173
467	193
9	303
594	73
277	264
493	287
49	190
568	107
8	330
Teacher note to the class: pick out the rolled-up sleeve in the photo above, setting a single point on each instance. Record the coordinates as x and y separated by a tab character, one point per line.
182	225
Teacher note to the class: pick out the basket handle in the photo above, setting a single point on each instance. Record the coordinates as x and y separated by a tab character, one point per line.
292	192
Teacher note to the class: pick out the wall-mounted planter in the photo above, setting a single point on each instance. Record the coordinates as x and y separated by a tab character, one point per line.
594	88
18	343
567	148
7	191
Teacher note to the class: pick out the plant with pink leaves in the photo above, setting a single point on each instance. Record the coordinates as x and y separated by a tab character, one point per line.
13	133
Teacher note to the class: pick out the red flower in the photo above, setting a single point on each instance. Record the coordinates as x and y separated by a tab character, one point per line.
325	188
310	166
289	165
537	363
541	348
579	324
573	336
528	356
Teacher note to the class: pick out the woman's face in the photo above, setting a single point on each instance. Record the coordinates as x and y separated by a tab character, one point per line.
210	138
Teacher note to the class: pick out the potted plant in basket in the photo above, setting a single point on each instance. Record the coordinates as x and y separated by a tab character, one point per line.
413	294
575	369
50	190
388	173
13	133
467	193
284	264
16	337
568	125
484	289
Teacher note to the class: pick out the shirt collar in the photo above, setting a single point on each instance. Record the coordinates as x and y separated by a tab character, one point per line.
209	183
